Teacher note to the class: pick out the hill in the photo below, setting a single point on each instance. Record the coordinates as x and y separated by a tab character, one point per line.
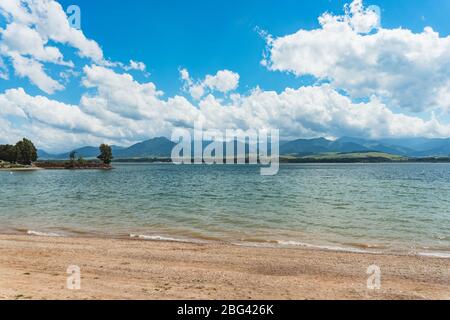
157	147
85	152
352	157
162	147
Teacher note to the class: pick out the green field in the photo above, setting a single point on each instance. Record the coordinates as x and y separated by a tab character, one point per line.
345	157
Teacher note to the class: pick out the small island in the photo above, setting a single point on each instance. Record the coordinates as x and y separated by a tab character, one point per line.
23	156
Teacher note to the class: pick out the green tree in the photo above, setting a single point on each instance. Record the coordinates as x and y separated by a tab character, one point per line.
81	161
72	158
8	153
26	152
105	154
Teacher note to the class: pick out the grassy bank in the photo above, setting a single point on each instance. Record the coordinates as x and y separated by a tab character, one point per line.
72	165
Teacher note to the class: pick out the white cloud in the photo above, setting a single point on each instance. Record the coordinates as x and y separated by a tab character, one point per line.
386	67
405	69
137	65
122	110
362	20
13	10
124	95
31	24
316	111
185	75
20	39
197	91
25	67
51	22
223	81
49	112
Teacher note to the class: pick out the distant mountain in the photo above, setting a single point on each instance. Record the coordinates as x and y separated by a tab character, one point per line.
321	145
162	148
42	155
157	147
380	146
422	147
84	152
303	146
441	150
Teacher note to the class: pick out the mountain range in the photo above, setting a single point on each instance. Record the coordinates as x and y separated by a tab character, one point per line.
162	147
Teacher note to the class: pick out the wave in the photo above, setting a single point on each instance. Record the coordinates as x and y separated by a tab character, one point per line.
445	255
42	234
253	242
157	238
324	247
291	244
434	255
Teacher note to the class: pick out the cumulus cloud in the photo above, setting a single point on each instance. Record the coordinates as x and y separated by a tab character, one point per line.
362	20
136	65
123	94
31	25
223	81
50	20
34	70
121	110
405	69
357	57
184	74
23	40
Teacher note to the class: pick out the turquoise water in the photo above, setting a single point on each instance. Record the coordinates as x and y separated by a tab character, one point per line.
375	207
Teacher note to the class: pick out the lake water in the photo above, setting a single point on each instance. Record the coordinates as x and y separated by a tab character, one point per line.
399	208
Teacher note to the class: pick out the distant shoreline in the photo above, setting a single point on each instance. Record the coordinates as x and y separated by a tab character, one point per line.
311	160
62	164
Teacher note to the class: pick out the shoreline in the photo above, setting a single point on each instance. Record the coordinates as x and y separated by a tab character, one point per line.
269	244
21	169
34	267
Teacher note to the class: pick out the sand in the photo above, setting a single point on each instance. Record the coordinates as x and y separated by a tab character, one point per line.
35	268
21	169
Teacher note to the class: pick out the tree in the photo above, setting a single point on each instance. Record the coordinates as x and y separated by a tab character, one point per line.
105	154
8	153
72	158
26	152
81	161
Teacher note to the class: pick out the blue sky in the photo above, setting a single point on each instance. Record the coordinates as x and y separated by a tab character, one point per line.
206	37
209	35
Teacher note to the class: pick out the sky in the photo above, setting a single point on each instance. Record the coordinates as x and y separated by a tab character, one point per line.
139	69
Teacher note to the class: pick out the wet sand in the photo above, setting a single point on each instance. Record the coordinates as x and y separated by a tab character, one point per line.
35	268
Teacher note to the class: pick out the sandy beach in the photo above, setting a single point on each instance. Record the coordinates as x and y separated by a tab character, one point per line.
35	268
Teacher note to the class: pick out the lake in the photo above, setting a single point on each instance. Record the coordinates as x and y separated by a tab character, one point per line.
398	208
